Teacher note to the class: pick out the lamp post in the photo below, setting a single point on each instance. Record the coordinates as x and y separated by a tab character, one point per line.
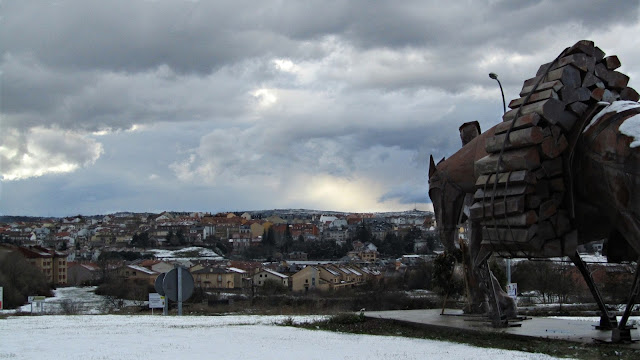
494	76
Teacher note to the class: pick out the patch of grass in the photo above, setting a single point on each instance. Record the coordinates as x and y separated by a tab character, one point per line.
187	253
347	323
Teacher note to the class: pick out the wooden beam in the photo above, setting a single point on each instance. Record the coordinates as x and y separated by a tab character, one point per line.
517	139
520	159
525	219
515	177
485	209
522	122
502	191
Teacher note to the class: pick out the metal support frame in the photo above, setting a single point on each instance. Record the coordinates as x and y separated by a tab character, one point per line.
496	320
623	332
607	322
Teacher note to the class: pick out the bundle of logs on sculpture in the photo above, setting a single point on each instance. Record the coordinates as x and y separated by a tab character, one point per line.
523	198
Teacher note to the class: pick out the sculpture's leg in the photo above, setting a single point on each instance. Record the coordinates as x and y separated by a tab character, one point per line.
623	333
476	295
492	293
607	322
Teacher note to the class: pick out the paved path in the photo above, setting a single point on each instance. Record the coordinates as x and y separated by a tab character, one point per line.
539	327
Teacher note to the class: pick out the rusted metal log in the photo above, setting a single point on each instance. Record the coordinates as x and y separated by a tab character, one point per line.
629	94
584	46
520	159
522	122
561	222
488	192
568	75
517	139
570	95
512	205
558	197
552	167
601	71
597	93
598	54
542	189
525	219
533	201
578	108
552	148
581	61
551	109
514	177
554	85
514	238
546	231
616	80
611	62
537	96
561	247
557	185
590	80
547	209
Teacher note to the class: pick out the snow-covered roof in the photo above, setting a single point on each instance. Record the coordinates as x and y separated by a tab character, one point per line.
355	271
237	270
142	269
332	272
272	272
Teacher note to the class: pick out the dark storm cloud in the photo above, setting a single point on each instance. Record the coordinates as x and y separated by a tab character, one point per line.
195	95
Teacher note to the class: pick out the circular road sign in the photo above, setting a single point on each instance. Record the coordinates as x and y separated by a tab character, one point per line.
170	284
158	284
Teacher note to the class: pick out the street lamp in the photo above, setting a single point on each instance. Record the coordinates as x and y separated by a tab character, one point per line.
494	76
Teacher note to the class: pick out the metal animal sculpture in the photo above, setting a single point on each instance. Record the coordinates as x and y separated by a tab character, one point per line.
606	192
559	171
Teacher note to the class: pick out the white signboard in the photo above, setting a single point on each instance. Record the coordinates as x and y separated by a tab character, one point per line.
35	299
512	290
156	301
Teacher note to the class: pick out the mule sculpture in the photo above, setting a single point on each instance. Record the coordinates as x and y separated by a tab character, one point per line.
527	185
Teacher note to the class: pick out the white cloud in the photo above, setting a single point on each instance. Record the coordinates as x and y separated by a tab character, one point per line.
45	151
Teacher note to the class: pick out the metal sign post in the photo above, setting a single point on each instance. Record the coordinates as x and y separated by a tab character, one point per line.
180	270
160	289
178	286
38	300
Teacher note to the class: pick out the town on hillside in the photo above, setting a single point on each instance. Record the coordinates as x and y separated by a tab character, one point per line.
294	251
243	255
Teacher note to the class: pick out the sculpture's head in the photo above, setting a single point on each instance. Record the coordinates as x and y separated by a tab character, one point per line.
448	199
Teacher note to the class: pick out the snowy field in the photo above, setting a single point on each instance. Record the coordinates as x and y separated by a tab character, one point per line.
212	337
190	253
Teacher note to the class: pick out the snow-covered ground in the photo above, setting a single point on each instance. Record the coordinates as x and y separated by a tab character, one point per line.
190	253
212	337
80	300
226	337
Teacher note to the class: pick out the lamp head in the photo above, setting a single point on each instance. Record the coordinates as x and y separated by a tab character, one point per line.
494	76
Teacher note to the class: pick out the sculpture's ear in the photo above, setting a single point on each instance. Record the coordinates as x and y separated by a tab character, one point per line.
469	131
432	166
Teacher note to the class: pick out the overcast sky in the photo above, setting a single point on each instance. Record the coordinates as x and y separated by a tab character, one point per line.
236	105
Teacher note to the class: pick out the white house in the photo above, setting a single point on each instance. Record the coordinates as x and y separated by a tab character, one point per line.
267	274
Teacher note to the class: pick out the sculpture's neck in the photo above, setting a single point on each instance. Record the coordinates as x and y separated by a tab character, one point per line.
459	168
